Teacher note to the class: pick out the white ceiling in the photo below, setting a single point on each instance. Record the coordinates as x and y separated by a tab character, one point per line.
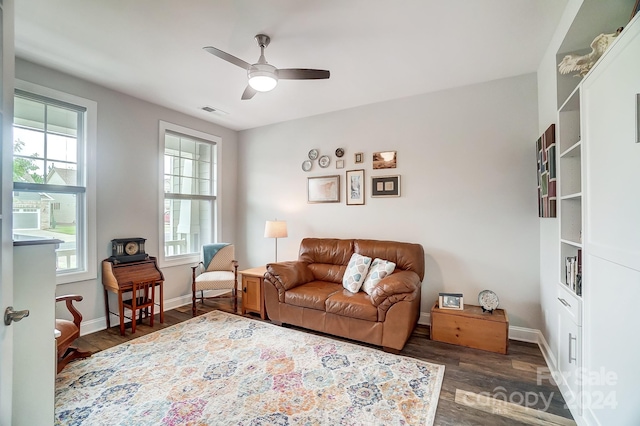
376	50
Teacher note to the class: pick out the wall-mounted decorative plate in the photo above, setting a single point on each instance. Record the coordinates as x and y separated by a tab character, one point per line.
324	161
339	152
306	165
313	154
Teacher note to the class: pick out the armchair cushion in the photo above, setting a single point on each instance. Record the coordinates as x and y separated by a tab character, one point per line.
215	280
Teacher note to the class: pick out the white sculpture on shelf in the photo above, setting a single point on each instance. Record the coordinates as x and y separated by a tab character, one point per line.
583	63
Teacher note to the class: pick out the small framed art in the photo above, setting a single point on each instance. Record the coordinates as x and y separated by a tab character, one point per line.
339	164
323	189
355	187
385	160
385	186
358	157
450	301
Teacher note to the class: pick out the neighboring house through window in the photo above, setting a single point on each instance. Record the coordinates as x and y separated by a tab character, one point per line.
54	192
189	187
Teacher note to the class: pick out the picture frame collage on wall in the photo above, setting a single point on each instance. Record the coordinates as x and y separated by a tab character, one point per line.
326	188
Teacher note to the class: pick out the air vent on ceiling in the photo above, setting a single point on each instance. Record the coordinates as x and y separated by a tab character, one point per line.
214	110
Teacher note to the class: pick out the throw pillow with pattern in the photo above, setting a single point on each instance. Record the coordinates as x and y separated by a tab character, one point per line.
379	269
356	272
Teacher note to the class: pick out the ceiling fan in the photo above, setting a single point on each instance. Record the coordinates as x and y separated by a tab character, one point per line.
263	76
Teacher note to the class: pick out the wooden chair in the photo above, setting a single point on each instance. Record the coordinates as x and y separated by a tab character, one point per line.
69	332
219	273
142	298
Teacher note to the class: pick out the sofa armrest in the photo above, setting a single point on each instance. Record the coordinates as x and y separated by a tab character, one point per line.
287	275
403	285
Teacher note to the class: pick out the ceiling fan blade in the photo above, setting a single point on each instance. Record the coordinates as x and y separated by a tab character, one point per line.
302	74
248	93
227	57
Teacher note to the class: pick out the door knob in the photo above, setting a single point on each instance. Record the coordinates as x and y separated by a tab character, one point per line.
15	316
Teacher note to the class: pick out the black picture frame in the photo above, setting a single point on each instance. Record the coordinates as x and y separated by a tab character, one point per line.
385	186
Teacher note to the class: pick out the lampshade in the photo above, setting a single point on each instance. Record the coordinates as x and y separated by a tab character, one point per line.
262	77
275	229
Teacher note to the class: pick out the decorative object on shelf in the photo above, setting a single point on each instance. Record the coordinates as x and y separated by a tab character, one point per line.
306	165
125	250
355	187
384	160
488	300
275	229
339	164
324	161
339	152
450	301
358	157
546	150
323	189
313	154
636	9
385	186
583	63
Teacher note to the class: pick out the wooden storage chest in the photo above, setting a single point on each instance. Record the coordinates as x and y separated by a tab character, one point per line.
471	328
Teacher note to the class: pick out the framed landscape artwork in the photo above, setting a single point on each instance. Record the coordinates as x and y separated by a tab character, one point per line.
323	189
355	187
385	186
546	151
384	160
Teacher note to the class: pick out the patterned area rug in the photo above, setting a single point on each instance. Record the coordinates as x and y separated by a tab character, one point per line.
220	368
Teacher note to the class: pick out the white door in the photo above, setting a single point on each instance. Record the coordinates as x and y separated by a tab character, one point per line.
6	251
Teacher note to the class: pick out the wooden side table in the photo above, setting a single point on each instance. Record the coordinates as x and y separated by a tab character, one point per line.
471	327
253	290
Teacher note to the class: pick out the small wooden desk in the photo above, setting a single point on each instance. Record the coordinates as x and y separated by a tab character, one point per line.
119	278
253	290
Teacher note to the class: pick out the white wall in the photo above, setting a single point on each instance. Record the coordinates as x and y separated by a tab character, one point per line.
127	178
467	161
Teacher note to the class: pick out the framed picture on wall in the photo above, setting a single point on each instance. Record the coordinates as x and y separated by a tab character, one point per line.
323	189
385	186
355	187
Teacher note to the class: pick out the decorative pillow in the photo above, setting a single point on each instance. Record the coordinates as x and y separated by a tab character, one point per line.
356	272
378	270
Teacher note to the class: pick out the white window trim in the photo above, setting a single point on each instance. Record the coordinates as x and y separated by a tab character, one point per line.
216	219
91	126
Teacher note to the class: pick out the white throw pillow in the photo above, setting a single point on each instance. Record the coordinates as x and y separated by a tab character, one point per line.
356	272
378	270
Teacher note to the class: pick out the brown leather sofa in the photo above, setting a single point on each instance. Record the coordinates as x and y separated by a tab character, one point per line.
309	293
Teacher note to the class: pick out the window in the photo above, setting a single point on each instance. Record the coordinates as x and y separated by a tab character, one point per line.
51	194
189	188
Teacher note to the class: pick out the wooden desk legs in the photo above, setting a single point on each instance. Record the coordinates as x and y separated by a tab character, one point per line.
121	314
106	308
161	303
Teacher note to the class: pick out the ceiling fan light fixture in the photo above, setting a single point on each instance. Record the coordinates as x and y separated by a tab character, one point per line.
262	77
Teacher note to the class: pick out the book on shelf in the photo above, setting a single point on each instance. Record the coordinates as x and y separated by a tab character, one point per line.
573	273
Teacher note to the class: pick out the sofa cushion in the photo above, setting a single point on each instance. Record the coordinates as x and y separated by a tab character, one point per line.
353	305
311	295
356	272
379	269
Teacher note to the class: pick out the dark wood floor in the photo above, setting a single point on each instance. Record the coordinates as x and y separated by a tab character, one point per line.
468	373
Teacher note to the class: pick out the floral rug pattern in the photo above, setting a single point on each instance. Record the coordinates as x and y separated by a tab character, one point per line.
220	368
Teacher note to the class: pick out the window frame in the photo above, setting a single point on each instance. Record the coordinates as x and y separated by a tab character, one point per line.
88	245
175	129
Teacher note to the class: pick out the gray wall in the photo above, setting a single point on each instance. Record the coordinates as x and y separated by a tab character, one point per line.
128	185
467	163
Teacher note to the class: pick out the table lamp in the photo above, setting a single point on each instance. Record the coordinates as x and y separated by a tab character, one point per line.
275	229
